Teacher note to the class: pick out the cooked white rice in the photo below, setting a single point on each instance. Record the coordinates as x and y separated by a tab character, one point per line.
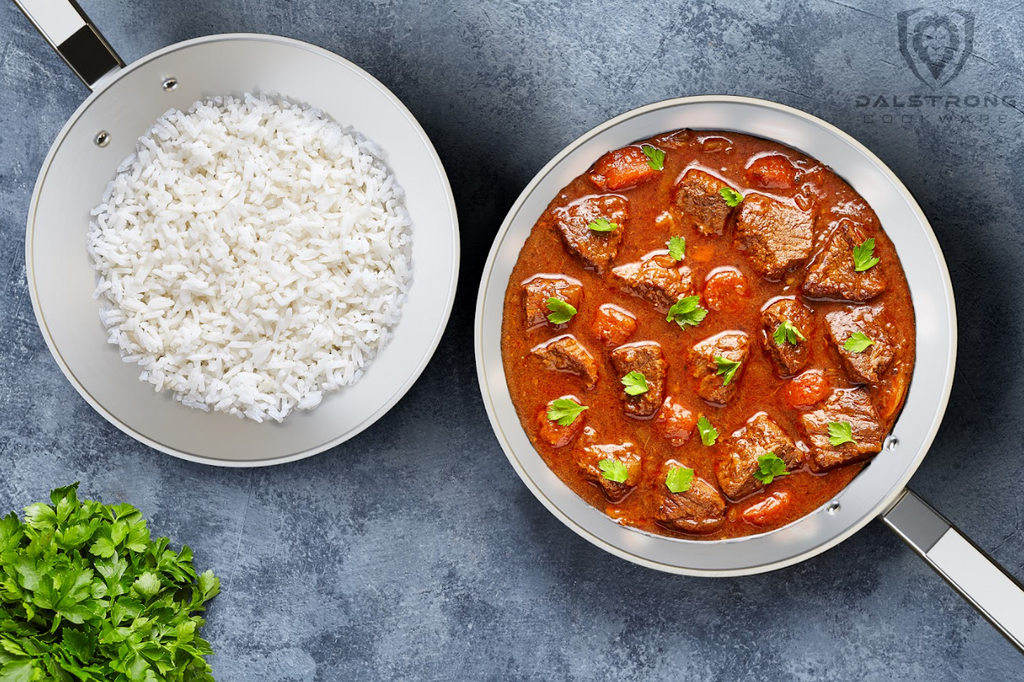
252	255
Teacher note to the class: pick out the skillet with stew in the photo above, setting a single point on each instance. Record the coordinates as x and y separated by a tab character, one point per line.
821	387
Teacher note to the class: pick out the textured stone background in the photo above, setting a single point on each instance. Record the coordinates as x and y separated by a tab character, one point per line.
413	551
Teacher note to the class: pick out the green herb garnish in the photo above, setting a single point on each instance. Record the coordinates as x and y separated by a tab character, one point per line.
565	411
679	479
602	225
613	470
726	368
655	156
839	433
787	332
731	196
687	311
561	311
771	467
858	342
676	248
864	255
635	383
86	594
708	433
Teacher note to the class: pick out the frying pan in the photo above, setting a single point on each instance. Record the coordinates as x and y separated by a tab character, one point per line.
124	103
880	489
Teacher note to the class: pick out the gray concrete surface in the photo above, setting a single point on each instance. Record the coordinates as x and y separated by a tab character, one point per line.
413	551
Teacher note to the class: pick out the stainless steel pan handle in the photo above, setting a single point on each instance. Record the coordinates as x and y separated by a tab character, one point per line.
971	572
73	36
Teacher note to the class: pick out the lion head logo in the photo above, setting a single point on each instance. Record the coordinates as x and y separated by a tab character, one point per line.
935	45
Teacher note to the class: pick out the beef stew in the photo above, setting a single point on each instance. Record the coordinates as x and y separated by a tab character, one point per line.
734	321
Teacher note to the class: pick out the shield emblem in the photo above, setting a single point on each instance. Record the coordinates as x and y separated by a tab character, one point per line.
935	44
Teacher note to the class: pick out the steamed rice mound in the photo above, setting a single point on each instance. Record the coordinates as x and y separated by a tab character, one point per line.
251	255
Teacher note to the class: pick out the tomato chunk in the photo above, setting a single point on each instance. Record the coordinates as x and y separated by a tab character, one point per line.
774	171
675	422
807	389
621	168
613	325
726	290
767	510
553	433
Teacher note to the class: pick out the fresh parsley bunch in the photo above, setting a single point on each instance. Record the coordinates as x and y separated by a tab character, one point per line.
86	595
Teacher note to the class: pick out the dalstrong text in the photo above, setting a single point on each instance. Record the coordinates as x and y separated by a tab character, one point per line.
935	101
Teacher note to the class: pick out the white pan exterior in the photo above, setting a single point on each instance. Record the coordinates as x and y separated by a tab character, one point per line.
881	482
76	171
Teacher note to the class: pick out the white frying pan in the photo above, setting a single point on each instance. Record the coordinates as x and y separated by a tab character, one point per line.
880	489
125	102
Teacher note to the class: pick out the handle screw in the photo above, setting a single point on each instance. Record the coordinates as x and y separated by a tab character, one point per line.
170	83
102	138
832	507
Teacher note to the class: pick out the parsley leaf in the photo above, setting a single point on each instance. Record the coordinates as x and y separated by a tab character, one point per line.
726	368
687	311
708	433
679	479
613	470
565	411
839	433
676	248
858	342
87	594
603	225
771	467
635	383
864	255
787	332
731	196
655	156
561	312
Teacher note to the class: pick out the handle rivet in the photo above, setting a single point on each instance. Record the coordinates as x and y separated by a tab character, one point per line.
102	138
832	507
170	83
892	443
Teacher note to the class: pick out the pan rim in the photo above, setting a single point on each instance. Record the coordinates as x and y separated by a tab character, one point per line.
428	350
898	485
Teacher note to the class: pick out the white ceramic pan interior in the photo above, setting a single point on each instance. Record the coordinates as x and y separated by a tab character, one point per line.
124	104
881	486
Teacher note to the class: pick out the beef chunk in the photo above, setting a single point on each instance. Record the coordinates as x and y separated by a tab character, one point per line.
538	290
675	422
853	406
627	453
868	366
646	358
774	235
789	358
732	346
621	168
833	274
700	509
697	195
659	279
613	325
553	433
758	436
772	171
565	354
595	249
